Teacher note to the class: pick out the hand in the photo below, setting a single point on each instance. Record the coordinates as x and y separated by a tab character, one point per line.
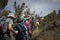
30	31
16	32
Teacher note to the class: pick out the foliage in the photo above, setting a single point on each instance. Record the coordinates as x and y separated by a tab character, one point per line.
3	3
51	28
50	17
4	13
19	9
48	20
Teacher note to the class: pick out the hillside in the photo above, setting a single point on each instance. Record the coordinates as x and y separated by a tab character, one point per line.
50	31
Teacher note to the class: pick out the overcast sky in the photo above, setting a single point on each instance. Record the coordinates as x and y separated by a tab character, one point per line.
42	7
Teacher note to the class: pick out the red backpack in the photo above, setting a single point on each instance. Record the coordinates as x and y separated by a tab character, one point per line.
1	27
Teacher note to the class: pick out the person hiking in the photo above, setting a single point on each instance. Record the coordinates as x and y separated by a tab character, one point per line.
28	22
33	23
22	30
37	24
2	27
6	27
10	20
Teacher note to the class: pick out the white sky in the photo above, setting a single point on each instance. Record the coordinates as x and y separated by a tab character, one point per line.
42	7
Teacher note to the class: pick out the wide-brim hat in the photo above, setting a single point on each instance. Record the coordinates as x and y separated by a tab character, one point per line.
28	17
23	15
11	15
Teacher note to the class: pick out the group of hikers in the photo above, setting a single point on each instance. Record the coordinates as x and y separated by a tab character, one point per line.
22	29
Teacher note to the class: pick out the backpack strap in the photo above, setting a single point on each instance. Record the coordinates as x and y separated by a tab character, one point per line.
5	26
20	27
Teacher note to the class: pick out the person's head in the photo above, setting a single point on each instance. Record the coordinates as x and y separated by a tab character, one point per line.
37	20
22	16
19	20
28	17
11	15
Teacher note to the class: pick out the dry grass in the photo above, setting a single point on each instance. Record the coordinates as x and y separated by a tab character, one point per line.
47	34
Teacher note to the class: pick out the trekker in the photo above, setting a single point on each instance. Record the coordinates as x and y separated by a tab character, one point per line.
10	20
33	23
37	24
28	22
22	30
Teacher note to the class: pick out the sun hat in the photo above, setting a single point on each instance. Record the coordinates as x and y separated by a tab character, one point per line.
28	17
11	15
23	15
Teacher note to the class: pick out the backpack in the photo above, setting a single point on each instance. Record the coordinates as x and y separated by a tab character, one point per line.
20	27
3	26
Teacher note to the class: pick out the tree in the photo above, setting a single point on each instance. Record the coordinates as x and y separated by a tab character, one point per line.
3	3
19	9
50	17
4	13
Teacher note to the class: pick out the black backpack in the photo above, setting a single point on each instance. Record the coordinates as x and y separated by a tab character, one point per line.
20	27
